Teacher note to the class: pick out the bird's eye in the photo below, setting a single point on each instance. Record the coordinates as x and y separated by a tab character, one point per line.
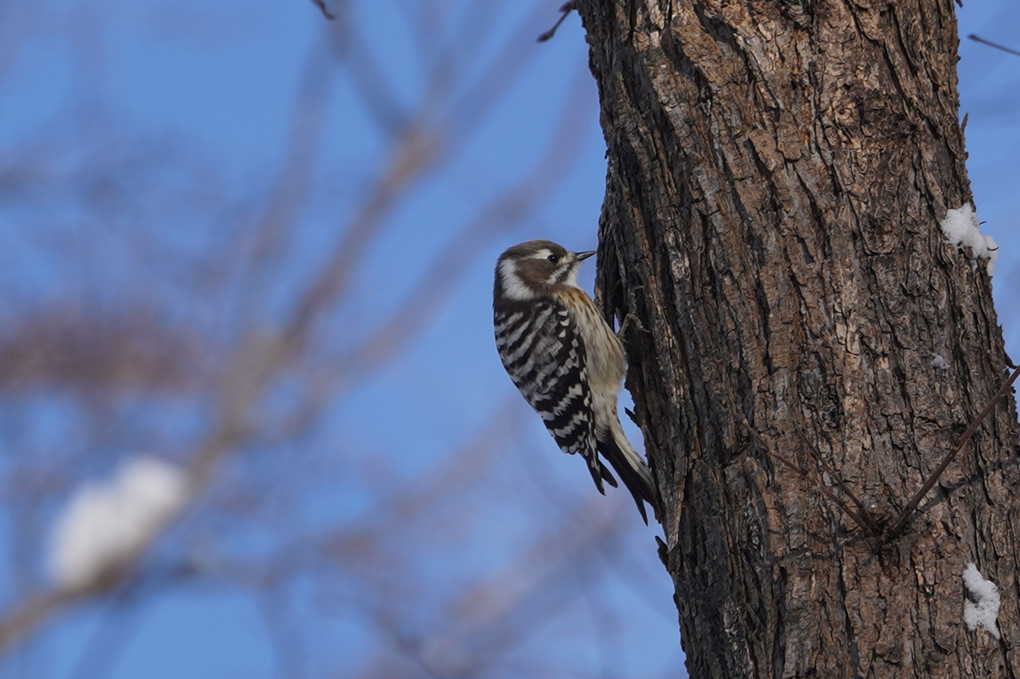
554	258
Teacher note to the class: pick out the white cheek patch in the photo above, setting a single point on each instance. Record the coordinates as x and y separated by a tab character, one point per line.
513	287
571	279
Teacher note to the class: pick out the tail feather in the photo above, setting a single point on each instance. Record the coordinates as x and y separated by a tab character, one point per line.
599	473
631	469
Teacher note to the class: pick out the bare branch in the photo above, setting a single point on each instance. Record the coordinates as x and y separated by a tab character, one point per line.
566	9
861	518
908	510
322	8
1008	50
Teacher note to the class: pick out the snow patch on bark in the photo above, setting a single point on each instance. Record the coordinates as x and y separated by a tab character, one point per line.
981	607
962	229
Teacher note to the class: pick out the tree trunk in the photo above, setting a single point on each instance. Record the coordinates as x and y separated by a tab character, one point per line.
777	176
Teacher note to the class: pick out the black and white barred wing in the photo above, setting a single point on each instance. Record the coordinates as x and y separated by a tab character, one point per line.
545	357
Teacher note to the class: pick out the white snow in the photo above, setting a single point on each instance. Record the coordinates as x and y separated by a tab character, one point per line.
106	521
939	362
962	229
981	607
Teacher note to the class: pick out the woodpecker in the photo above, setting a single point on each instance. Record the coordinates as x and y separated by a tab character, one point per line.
566	361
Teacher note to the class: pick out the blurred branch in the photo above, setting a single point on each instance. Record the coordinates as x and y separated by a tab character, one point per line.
505	211
368	78
259	367
31	612
492	615
59	347
291	188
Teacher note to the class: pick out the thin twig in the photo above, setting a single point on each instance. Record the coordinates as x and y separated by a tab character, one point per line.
908	511
566	9
322	7
978	38
846	491
862	518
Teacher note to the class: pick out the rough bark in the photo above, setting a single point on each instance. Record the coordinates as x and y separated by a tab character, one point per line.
777	175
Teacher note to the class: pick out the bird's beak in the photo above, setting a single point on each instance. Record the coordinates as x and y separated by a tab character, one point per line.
578	256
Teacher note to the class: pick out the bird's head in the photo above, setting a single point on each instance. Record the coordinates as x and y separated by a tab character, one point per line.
535	268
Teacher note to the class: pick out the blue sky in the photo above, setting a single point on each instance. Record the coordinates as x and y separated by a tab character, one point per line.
193	105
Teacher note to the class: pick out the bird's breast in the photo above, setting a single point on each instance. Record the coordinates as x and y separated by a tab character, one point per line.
606	362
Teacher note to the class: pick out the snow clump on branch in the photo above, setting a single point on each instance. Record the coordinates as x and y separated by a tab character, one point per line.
105	522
